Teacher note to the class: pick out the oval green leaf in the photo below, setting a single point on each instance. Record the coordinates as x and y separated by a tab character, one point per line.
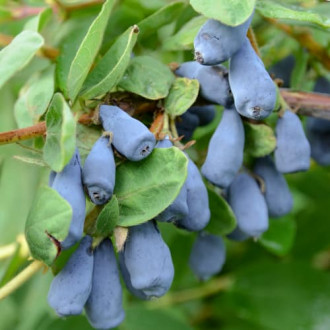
259	139
61	134
18	54
38	22
111	68
144	189
87	51
34	98
229	12
184	38
222	220
182	96
147	77
48	220
279	238
282	10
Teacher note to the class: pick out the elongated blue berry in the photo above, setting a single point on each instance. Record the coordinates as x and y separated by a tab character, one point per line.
292	153
216	42
188	69
277	195
225	152
146	262
252	87
104	307
207	256
130	137
99	171
238	235
214	84
249	205
68	183
198	201
71	287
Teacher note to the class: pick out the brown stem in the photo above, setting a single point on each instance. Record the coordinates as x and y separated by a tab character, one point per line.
253	41
307	104
44	51
306	40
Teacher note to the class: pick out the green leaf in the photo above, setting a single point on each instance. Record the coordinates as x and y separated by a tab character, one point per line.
38	22
282	10
181	97
63	258
222	220
147	77
48	219
229	12
61	134
141	318
107	219
279	238
144	189
259	139
298	293
184	38
87	51
18	54
163	16
34	98
111	68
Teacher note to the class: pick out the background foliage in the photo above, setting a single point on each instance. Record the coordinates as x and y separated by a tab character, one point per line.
281	281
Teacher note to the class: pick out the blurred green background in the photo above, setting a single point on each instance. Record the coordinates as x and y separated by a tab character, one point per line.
281	281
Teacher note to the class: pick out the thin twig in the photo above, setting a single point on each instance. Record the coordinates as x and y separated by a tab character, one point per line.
253	41
307	104
20	279
8	250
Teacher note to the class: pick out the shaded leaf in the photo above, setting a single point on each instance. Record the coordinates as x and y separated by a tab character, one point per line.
298	293
229	12
163	16
181	97
50	215
259	139
145	188
184	38
18	54
87	51
147	77
61	134
279	238
34	98
283	10
111	68
222	220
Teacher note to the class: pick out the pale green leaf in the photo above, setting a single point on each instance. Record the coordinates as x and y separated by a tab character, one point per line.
38	22
282	10
61	134
34	98
18	54
111	68
49	219
147	77
87	51
229	12
144	189
184	38
181	97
